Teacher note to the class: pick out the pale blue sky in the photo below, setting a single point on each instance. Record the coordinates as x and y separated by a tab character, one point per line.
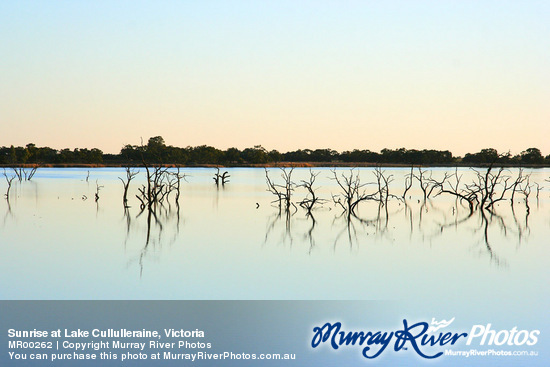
457	75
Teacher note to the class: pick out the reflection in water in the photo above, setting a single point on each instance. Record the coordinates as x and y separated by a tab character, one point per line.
130	175
9	182
8	212
163	216
308	236
155	200
322	223
475	209
473	202
221	178
272	224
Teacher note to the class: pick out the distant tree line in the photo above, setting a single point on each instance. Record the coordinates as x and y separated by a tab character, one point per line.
31	154
156	151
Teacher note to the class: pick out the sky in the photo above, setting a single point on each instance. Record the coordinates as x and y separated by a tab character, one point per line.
447	75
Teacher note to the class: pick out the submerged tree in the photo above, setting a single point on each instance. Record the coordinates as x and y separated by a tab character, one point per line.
284	191
408	182
130	174
224	178
446	186
490	186
383	182
160	184
9	181
426	182
352	191
18	172
98	188
311	199
178	177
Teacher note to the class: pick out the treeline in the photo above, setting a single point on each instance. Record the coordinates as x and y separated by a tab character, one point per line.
156	151
31	154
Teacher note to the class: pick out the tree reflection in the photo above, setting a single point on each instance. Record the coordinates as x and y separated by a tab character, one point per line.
7	214
426	220
158	209
273	225
308	236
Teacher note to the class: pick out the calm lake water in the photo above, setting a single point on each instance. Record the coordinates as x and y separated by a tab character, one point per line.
231	243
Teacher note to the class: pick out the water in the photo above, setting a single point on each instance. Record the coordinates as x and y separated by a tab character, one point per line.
232	243
421	259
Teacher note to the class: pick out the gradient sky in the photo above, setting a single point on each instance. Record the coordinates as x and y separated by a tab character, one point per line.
457	75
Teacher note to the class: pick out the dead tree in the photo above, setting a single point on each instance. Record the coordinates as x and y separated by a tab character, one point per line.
154	185
18	172
170	181
98	187
168	188
408	182
223	177
9	180
160	184
309	202
284	191
274	189
217	176
539	187
445	186
488	184
383	183
526	191
130	174
496	183
22	173
352	192
152	193
425	182
178	177
170	184
29	175
519	180
142	199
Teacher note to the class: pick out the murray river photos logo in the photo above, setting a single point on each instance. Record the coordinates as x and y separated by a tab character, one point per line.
425	339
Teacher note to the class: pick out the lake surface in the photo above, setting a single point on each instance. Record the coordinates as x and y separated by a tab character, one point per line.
232	243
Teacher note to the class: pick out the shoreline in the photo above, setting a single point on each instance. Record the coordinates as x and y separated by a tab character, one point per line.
270	165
